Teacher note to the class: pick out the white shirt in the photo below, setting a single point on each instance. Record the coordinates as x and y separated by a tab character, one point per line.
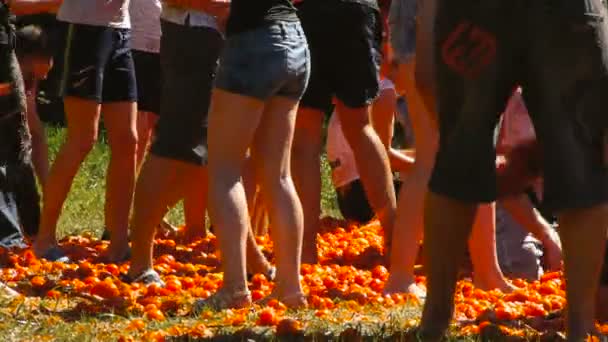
195	18
145	25
107	13
339	153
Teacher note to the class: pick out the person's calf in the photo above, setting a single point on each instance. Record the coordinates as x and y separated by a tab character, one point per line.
448	224
306	174
155	192
583	258
602	303
373	165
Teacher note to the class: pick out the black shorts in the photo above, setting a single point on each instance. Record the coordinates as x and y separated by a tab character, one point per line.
353	202
189	59
345	40
147	72
98	64
557	53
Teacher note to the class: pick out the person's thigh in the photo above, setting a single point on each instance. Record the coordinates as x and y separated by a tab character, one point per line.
273	139
87	52
566	95
475	48
189	59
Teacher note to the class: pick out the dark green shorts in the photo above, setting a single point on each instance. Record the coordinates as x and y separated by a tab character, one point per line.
189	59
558	52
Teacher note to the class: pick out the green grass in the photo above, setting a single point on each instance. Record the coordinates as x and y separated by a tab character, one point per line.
84	207
35	319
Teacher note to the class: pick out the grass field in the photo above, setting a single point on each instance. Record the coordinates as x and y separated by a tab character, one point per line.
63	304
83	211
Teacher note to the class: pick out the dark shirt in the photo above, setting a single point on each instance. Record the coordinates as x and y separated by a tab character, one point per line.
248	15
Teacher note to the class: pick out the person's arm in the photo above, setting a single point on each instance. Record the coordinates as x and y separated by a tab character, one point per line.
523	211
425	49
383	119
40	150
527	216
28	7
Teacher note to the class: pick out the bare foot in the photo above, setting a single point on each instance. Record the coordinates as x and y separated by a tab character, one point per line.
293	301
407	287
264	268
115	255
224	299
497	284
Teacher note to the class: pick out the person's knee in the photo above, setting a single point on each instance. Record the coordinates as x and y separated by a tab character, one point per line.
124	144
359	134
307	134
82	142
277	184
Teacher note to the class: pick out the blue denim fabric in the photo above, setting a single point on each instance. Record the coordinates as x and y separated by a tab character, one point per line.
402	23
270	61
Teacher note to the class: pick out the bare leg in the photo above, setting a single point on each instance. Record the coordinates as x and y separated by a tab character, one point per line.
146	122
273	140
40	148
227	201
306	169
82	118
528	217
155	193
583	235
195	202
372	163
409	223
448	224
120	119
487	274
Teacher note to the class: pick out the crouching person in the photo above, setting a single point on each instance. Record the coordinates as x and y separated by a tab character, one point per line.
17	181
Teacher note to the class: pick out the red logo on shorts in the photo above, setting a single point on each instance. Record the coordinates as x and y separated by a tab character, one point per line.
469	49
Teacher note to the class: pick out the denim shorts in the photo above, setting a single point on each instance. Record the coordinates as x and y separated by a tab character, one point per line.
402	23
272	60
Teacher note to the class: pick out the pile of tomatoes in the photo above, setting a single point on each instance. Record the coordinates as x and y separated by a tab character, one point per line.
350	275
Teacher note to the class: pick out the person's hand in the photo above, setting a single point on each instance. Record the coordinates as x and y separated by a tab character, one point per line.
553	251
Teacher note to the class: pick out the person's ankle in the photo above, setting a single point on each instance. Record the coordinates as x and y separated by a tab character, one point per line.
136	270
119	241
42	243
